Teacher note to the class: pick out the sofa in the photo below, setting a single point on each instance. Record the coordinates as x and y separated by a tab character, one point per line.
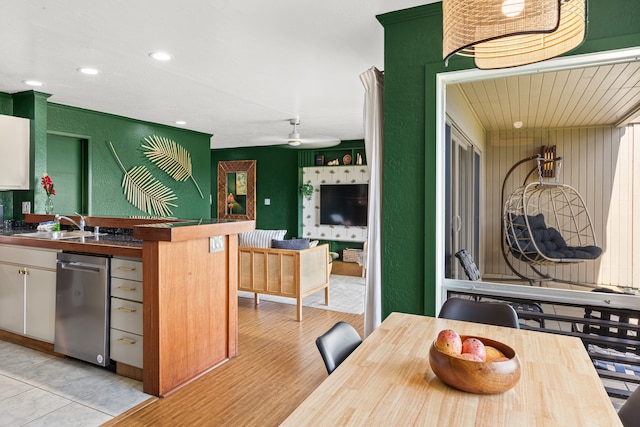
290	269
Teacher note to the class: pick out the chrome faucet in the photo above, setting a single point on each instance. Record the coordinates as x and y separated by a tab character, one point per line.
80	226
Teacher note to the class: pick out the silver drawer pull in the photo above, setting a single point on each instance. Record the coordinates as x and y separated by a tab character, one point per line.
128	310
127	268
126	288
126	341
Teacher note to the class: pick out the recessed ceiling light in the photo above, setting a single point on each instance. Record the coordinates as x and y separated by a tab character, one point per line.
32	82
517	124
160	56
181	122
89	71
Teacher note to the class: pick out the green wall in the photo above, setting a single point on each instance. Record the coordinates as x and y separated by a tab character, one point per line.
413	57
276	179
104	174
6	104
31	105
127	135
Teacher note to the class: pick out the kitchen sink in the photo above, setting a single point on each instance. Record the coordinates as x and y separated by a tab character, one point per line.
59	235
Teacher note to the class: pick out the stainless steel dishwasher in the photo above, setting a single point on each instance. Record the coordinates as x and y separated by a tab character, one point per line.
82	307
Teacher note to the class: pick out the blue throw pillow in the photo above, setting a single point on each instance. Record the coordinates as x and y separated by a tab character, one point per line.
295	244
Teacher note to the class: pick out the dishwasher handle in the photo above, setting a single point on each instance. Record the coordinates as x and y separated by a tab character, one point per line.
80	266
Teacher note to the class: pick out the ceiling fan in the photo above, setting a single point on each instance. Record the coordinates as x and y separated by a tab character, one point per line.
294	140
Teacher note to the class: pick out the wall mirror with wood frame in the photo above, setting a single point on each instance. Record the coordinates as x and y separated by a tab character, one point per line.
237	190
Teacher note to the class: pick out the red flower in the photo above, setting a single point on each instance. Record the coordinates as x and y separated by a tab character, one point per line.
47	184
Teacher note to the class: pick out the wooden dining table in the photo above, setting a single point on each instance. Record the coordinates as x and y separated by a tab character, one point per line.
388	381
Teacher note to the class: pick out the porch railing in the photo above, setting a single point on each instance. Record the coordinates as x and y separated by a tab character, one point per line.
611	335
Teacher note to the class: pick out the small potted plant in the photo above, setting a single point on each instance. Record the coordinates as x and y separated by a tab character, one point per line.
307	190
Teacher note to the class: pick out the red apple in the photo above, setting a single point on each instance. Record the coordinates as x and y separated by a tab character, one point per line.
474	346
449	341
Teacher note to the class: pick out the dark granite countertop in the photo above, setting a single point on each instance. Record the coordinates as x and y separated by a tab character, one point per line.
124	241
111	243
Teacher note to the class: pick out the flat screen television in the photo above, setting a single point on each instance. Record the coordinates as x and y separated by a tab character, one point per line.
344	204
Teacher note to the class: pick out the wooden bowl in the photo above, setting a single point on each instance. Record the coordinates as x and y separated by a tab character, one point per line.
477	377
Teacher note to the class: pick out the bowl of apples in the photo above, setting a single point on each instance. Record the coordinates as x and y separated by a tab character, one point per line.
474	364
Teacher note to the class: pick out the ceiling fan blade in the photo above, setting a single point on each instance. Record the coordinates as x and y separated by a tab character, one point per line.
295	141
318	142
305	143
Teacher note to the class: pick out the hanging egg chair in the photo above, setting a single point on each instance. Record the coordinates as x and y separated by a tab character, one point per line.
547	222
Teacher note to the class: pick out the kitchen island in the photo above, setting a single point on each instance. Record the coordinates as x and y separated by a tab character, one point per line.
190	291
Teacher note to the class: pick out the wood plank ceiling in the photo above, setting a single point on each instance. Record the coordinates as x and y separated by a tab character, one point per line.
593	96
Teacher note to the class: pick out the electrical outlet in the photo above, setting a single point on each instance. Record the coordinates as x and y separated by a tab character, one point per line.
26	207
267	202
216	243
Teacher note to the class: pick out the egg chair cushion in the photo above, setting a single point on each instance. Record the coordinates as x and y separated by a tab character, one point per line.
548	240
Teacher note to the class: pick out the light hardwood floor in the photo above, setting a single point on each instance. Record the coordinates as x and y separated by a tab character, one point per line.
277	368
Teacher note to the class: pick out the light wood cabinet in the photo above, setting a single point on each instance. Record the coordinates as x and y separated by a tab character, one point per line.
126	341
28	291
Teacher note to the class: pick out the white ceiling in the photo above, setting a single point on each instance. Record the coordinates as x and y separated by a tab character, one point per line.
241	68
592	96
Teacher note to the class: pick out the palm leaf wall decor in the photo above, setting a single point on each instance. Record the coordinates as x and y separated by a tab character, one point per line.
144	191
171	157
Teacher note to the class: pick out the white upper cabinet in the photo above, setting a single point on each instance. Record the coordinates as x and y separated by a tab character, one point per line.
14	157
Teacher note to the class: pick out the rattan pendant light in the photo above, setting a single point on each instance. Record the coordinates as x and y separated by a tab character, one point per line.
509	33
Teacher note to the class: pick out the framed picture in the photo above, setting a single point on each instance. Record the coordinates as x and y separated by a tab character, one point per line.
241	183
319	160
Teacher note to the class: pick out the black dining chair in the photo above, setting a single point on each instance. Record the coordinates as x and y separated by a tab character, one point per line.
471	270
629	413
337	344
492	313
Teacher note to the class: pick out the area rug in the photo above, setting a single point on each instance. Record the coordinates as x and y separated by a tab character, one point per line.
346	295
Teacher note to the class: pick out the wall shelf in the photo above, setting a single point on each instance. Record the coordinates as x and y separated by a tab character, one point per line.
307	158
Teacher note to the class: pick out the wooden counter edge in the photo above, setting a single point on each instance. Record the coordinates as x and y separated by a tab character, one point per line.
190	232
87	247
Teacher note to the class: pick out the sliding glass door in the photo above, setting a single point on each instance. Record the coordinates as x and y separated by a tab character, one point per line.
462	195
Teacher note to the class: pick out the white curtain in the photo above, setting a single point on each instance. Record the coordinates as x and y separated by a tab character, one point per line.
373	81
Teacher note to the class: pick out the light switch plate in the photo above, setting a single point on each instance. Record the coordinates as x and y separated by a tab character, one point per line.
26	207
267	202
216	243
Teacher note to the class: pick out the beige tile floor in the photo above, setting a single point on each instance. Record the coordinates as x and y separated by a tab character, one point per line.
38	389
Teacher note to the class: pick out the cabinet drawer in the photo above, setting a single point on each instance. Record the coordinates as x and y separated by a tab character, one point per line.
127	289
43	258
126	269
126	315
126	348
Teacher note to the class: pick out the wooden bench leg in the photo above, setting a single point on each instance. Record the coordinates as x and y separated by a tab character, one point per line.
299	308
256	298
326	296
